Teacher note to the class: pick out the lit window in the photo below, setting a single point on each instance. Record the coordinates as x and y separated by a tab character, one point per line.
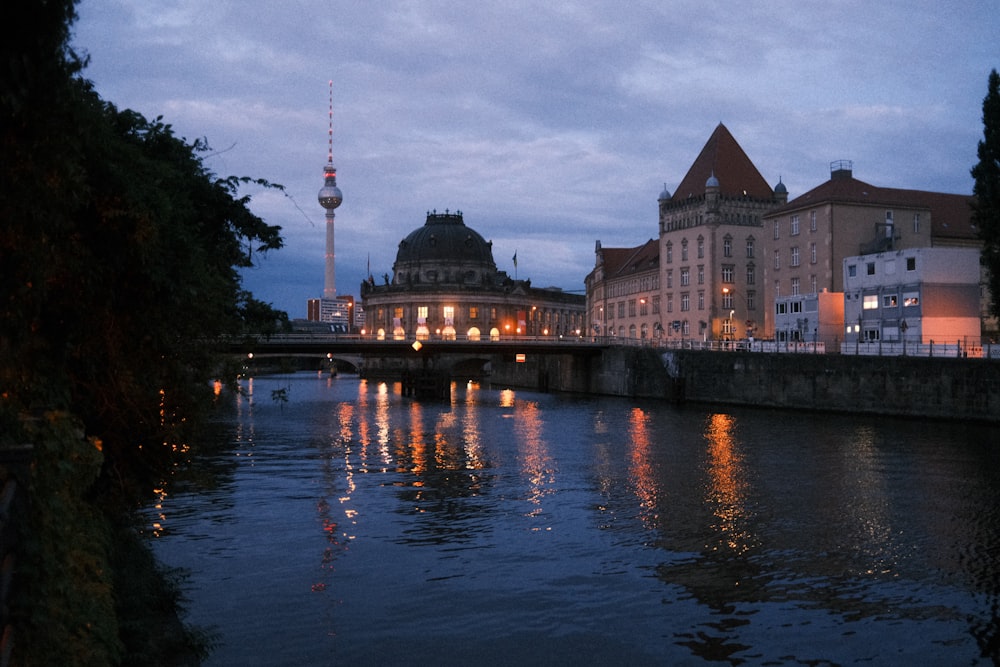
889	301
870	302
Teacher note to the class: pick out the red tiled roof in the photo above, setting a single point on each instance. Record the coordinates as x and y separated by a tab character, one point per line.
724	158
951	215
620	262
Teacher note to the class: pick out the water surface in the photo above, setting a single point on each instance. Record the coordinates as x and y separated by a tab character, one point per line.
350	525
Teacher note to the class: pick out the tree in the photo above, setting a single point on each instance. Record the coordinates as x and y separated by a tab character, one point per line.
986	209
119	264
119	258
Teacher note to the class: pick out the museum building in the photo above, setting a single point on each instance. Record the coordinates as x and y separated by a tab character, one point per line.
445	284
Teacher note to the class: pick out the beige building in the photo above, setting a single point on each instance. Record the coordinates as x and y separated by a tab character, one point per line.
445	284
623	292
712	245
808	238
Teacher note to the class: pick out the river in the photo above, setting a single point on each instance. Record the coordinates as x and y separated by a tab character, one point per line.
335	522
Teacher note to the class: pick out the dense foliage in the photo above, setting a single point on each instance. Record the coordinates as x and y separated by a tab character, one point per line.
120	254
119	258
986	210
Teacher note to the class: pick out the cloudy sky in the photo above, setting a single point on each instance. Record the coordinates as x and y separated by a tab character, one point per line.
549	125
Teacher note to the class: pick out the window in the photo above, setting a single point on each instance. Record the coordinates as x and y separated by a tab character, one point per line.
777	288
889	301
701	274
794	225
852	270
621	309
727	246
751	300
448	312
870	302
795	287
728	271
701	300
397	312
685	301
870	268
422	312
656	304
910	299
611	311
751	275
812	253
750	248
670	303
701	247
670	278
631	307
916	223
670	252
794	261
685	276
813	284
777	229
911	263
684	250
812	221
727	300
473	312
777	259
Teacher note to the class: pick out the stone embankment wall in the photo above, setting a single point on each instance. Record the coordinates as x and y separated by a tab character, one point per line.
945	388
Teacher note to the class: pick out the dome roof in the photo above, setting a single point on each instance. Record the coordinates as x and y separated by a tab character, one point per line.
445	238
712	181
780	188
665	194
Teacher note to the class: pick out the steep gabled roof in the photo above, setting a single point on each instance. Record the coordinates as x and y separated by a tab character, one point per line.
951	215
724	158
621	262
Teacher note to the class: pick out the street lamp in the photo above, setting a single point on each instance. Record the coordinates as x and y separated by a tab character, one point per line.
729	293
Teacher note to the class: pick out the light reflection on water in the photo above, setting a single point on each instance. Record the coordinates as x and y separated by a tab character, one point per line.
350	525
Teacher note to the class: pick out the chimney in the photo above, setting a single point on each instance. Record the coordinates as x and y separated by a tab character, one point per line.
841	169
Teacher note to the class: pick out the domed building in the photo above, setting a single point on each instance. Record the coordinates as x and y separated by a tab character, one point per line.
445	284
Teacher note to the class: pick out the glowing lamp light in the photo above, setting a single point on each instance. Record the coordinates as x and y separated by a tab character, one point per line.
417	345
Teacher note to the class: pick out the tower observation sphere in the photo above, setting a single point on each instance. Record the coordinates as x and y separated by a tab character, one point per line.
329	195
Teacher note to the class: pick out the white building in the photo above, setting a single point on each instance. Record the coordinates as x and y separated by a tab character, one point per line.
920	296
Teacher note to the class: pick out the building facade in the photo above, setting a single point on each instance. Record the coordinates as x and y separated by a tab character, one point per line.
808	239
445	284
712	245
918	295
623	292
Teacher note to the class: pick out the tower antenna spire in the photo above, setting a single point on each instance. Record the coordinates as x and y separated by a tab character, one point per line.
329	154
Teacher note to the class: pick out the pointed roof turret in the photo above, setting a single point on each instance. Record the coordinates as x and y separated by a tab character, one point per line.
724	160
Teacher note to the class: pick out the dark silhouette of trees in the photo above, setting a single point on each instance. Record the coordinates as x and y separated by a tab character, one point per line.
120	254
986	209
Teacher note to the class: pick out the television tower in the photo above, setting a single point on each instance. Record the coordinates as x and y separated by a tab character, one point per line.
330	198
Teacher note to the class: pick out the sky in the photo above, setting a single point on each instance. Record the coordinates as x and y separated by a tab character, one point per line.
549	125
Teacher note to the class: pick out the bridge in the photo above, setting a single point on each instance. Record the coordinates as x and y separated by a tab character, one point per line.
424	365
321	345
